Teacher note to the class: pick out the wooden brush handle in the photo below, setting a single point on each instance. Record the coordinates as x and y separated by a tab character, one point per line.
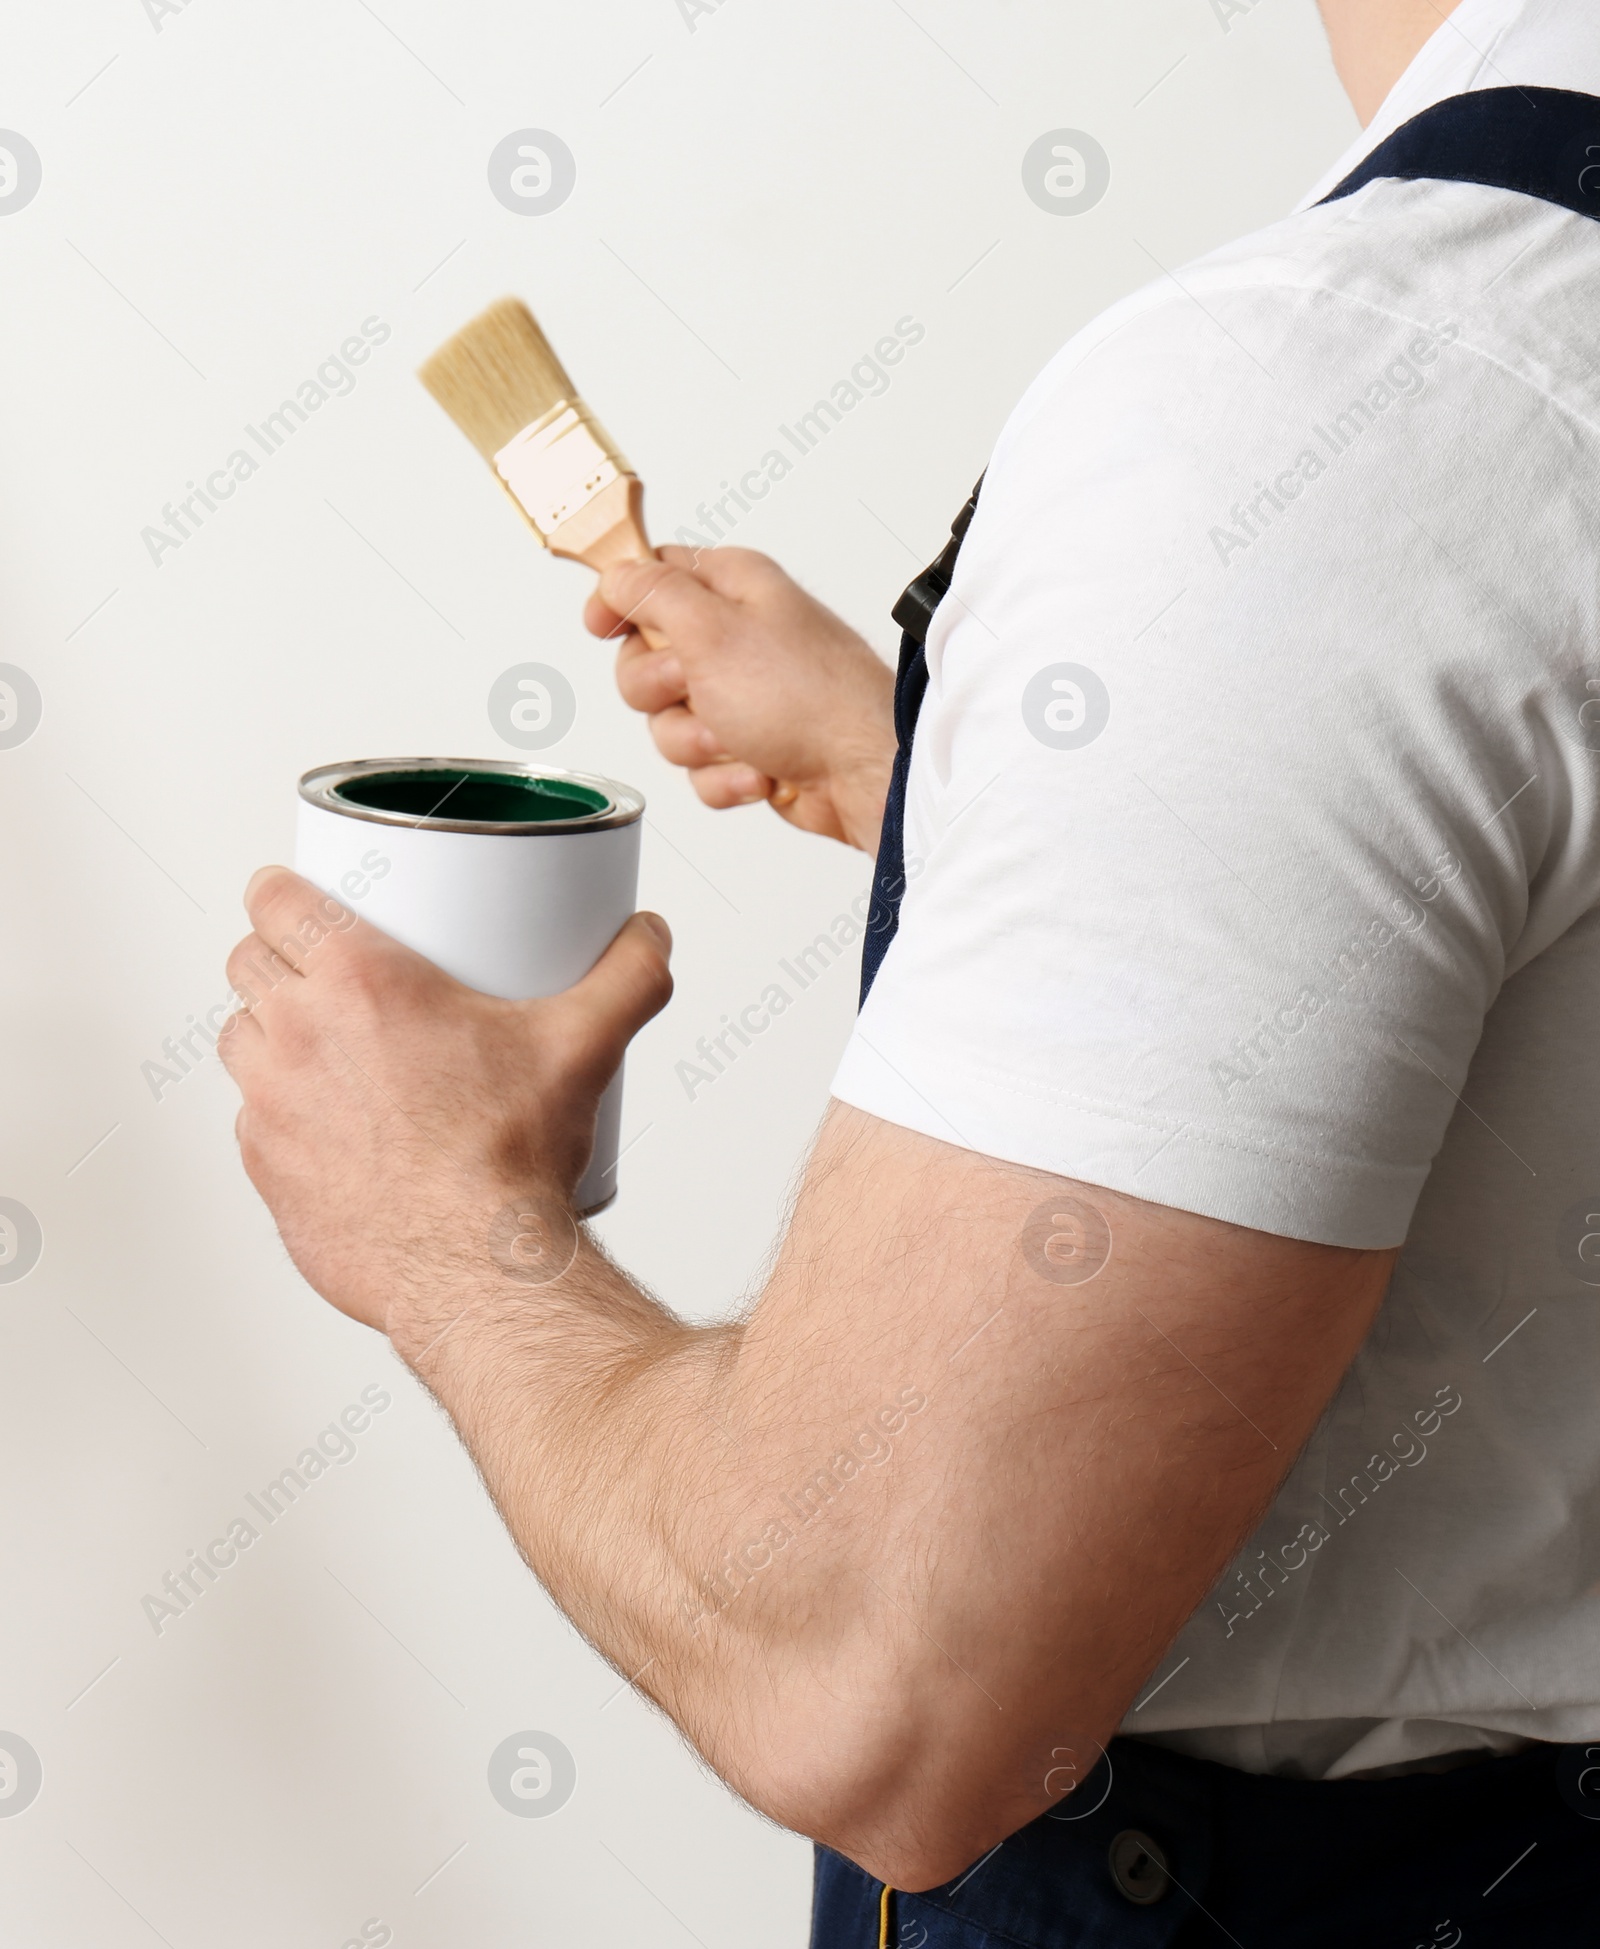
611	530
608	531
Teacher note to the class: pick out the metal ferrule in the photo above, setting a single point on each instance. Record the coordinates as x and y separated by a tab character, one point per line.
558	465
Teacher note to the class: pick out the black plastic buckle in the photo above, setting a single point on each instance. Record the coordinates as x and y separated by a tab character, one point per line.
914	611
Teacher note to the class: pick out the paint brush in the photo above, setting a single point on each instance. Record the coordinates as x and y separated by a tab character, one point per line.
503	385
501	382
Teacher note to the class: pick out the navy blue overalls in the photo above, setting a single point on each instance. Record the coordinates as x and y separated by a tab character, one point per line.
1155	1849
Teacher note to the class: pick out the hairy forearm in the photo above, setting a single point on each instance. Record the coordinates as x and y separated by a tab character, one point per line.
602	1428
585	1406
649	1474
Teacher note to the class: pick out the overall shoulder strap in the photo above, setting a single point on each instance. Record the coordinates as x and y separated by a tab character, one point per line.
1542	142
915	610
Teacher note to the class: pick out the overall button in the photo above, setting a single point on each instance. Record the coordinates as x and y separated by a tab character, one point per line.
1139	1868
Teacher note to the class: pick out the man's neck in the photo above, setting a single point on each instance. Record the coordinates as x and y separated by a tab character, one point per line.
1375	41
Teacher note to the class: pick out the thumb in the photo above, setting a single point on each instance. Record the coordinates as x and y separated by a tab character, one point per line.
628	986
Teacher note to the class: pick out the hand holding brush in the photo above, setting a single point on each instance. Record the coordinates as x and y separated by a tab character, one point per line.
755	680
783	727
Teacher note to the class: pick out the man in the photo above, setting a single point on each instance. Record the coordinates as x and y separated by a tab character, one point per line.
1187	1323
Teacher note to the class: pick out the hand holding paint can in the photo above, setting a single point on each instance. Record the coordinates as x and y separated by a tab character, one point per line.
512	878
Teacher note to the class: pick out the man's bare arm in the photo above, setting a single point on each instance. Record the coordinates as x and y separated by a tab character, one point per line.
897	1550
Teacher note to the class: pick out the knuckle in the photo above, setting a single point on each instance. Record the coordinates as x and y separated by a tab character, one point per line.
295	1042
357	971
749	574
255	979
239	960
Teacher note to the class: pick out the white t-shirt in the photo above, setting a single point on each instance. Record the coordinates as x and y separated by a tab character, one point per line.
1254	821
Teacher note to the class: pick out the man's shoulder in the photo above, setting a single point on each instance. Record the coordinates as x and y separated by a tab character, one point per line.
1311	454
1315	297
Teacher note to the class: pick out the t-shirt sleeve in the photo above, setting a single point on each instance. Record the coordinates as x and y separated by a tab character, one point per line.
1253	762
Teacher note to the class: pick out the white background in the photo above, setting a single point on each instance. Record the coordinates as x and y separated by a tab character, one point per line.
756	204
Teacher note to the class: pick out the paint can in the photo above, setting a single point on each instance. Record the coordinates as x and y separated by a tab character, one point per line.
513	878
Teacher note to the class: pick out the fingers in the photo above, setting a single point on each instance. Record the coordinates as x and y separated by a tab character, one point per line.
239	1038
630	593
626	987
292	920
722	787
667	599
722	783
291	917
682	739
254	969
649	680
600	619
277	901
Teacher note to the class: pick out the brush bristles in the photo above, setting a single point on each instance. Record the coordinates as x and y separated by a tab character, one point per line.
497	375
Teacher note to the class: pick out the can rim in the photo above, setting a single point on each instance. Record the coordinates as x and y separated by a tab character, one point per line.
624	804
